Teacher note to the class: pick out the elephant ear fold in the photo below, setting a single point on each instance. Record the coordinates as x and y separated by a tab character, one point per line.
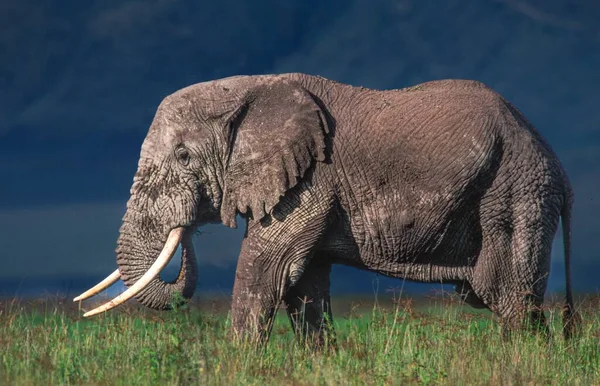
274	141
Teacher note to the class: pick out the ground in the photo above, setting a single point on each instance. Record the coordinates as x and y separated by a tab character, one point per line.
380	341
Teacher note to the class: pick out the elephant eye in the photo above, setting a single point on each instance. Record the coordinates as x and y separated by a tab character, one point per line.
182	155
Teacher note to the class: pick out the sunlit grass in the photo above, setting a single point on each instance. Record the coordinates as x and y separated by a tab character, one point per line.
48	343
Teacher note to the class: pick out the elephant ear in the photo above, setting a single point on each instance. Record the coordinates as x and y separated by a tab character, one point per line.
274	139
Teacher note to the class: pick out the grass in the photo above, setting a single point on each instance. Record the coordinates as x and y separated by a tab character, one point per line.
47	342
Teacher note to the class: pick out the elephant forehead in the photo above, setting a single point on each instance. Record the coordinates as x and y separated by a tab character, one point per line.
203	100
170	121
174	109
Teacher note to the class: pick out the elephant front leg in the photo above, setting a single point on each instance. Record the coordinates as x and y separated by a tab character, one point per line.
272	254
308	305
255	300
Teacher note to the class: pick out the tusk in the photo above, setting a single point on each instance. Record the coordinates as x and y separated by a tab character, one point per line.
104	284
161	262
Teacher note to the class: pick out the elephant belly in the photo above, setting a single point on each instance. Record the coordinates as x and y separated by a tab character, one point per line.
421	247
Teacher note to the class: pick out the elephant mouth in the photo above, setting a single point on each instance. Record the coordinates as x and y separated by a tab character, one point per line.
175	237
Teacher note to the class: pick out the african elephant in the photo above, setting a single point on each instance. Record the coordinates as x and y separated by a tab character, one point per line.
445	181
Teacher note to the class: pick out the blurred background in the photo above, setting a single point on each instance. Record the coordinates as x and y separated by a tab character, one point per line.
80	82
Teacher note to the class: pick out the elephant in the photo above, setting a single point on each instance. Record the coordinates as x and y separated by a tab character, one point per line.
445	181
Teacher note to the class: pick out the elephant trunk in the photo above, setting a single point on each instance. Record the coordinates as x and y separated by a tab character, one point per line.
137	254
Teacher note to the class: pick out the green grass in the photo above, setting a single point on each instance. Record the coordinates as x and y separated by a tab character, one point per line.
46	342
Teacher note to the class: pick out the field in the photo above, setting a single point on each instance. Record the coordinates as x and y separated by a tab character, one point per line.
387	342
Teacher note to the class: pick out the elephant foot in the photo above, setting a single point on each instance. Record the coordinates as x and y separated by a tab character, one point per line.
531	320
311	324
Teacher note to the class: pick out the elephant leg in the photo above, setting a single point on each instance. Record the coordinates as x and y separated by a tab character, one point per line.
518	309
254	303
512	272
273	256
255	299
531	319
467	294
308	305
531	249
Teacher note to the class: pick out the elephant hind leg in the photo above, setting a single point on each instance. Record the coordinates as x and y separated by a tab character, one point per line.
530	318
511	274
517	309
531	245
308	305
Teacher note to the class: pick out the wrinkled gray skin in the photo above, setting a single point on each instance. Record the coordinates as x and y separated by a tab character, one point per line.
442	182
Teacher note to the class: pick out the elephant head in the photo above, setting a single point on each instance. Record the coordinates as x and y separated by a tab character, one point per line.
213	150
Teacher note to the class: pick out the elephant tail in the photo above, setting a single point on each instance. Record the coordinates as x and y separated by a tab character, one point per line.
571	319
